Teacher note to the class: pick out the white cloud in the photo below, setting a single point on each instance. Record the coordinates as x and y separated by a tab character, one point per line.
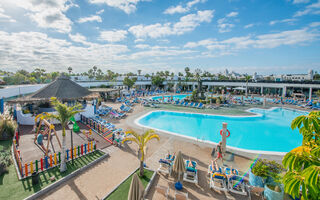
300	1
49	13
90	19
4	17
186	23
79	38
313	8
282	21
224	24
138	40
182	9
176	9
128	6
142	46
113	36
248	26
314	24
29	49
100	12
232	14
234	44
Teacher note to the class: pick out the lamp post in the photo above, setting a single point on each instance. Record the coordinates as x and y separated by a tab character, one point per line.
70	126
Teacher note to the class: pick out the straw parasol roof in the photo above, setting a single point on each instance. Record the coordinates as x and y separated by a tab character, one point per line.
62	88
178	165
136	190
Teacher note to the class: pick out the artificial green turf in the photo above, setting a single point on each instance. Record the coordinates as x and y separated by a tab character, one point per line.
122	191
12	188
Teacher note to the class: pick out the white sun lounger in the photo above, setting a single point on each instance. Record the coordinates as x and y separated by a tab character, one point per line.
191	174
218	182
165	168
180	195
236	185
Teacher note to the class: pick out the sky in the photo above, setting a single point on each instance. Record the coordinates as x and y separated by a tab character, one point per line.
245	36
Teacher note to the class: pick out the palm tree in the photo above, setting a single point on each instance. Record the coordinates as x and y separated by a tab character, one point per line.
247	78
139	72
70	70
64	113
197	75
94	70
141	141
303	162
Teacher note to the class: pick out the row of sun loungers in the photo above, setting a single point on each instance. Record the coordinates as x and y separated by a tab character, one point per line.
226	180
190	105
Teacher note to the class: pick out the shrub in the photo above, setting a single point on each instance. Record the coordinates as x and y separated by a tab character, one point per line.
267	169
7	127
5	161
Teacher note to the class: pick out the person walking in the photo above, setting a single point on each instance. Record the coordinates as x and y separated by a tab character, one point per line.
219	152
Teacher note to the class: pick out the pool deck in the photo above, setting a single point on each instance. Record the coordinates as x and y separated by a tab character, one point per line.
94	183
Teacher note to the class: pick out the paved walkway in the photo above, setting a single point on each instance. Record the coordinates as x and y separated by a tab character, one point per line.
96	182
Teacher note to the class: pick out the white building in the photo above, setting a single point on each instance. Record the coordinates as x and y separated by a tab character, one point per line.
80	78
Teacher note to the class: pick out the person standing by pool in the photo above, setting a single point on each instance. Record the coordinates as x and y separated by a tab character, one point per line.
219	152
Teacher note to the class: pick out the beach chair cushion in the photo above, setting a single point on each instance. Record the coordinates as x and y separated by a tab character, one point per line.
218	176
191	169
164	161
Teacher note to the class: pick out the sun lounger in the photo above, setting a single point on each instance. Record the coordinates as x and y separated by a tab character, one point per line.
163	190
235	182
200	106
258	191
218	181
191	104
212	169
191	174
180	195
165	166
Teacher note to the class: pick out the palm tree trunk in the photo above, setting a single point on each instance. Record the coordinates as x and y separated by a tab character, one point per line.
247	89
63	166
141	168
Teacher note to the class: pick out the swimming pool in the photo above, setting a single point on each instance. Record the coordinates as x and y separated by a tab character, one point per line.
175	97
267	132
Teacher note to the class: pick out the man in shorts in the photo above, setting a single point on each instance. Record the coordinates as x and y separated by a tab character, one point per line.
219	152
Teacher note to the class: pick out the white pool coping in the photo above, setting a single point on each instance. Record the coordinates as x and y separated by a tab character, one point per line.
136	121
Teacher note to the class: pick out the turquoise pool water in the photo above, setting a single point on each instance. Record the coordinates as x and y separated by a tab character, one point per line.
175	97
268	131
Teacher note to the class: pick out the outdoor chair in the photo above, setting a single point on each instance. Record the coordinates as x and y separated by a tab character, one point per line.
163	190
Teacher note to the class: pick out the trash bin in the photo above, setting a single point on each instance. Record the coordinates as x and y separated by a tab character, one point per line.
35	178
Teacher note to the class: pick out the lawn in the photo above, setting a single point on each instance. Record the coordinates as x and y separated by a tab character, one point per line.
122	191
236	110
12	188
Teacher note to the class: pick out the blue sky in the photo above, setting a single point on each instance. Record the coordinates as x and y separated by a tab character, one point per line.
268	37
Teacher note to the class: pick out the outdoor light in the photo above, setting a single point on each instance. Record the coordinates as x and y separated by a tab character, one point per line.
70	126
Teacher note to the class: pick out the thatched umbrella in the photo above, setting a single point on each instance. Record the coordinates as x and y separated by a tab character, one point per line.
136	190
62	88
179	166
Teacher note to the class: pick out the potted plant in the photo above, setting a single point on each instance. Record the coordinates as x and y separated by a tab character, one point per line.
273	189
263	172
7	127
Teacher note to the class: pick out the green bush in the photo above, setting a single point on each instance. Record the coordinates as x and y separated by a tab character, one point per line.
5	161
7	127
266	169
